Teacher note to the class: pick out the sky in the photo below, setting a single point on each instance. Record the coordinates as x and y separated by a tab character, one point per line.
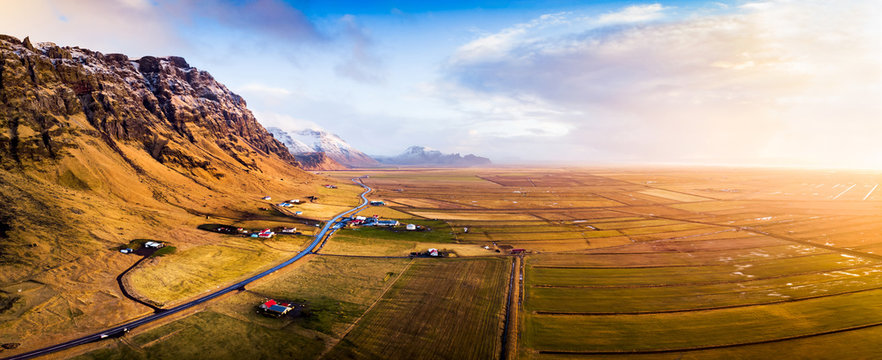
771	83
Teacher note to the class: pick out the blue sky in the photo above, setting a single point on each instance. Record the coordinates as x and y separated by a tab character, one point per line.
572	82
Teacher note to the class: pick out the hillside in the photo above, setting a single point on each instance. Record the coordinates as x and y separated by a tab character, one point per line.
310	140
97	150
423	156
317	161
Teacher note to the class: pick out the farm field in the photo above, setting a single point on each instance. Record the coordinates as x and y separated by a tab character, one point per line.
454	305
617	263
674	263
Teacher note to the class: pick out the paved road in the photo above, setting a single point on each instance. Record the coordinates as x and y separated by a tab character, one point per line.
120	330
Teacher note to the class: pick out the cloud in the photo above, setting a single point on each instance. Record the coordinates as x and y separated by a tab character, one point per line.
360	63
284	122
632	14
771	81
265	90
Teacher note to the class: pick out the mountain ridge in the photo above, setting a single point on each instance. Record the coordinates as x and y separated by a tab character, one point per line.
425	156
305	141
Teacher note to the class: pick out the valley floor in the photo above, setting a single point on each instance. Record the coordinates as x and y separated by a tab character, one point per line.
608	263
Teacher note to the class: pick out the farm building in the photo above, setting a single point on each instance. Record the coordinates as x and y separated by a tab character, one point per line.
266	234
289	230
126	251
153	245
273	308
411	227
378	203
387	223
432	252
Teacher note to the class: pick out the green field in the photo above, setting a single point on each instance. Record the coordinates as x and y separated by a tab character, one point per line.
448	309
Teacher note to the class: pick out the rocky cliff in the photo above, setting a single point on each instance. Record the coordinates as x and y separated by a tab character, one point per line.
318	161
93	142
163	106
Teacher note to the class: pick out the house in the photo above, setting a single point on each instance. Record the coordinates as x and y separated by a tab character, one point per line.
289	230
432	252
153	245
294	201
387	223
266	234
267	197
274	308
362	218
411	227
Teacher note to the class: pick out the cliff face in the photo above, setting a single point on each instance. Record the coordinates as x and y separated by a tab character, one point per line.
161	105
93	142
318	161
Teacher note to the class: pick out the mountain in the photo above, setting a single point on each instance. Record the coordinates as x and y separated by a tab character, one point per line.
317	161
423	156
309	140
97	150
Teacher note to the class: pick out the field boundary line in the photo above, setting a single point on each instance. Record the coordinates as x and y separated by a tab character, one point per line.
711	347
695	283
391	284
775	302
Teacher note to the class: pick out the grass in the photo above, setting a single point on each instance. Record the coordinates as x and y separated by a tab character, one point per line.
175	277
337	289
211	335
648	299
440	232
703	328
439	309
654	276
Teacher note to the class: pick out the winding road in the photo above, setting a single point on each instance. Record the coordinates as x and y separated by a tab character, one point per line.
120	330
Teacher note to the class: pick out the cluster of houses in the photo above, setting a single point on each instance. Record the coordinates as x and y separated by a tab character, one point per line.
147	245
264	234
289	203
368	221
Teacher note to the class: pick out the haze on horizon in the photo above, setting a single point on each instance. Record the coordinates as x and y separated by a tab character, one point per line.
796	83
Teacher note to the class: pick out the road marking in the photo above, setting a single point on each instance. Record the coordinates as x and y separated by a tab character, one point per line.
871	191
844	191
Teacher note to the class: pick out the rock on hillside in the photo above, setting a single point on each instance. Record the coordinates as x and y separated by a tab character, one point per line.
179	115
317	161
309	140
423	156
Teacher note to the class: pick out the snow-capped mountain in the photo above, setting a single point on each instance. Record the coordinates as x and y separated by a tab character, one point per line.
420	155
309	140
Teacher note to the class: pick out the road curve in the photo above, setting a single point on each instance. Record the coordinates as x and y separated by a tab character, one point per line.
122	329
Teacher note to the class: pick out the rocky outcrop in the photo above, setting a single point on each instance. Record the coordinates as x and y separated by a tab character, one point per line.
318	161
423	156
181	116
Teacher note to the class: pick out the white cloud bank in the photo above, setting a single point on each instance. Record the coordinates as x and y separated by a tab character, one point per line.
774	83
